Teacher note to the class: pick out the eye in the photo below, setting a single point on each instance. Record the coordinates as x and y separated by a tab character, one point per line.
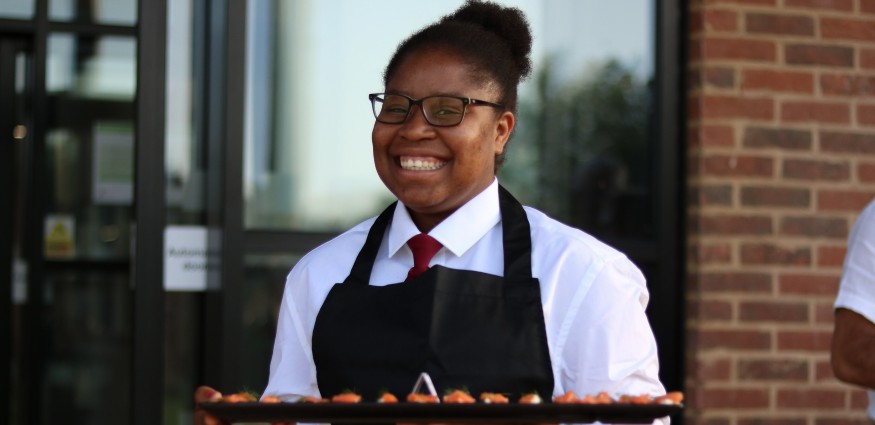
445	107
445	111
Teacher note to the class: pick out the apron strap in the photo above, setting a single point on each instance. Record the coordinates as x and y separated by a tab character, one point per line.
517	237
364	262
515	230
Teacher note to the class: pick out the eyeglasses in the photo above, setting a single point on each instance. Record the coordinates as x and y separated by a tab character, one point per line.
439	111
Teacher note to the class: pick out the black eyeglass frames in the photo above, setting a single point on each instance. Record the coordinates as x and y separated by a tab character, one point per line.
439	111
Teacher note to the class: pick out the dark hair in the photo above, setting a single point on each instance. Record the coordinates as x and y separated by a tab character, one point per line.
494	39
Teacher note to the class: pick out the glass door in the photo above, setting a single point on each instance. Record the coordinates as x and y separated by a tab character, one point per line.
66	185
15	88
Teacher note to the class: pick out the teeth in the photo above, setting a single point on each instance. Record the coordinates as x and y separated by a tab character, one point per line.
421	165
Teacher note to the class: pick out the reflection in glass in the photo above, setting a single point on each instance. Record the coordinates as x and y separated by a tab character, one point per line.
110	12
89	197
183	157
87	345
17	9
90	146
308	157
184	164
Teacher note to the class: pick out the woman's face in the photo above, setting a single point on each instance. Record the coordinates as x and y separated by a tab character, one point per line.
459	161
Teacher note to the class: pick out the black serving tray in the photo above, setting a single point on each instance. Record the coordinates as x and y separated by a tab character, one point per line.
440	413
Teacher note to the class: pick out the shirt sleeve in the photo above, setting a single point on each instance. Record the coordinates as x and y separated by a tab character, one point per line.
292	371
610	346
857	289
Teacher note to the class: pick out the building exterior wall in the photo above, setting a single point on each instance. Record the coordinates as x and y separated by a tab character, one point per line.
781	159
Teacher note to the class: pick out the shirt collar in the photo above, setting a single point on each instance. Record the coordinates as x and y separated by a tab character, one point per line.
458	232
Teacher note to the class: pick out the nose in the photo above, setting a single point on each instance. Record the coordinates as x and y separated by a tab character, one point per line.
416	126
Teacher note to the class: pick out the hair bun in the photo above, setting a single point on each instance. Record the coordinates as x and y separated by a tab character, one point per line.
508	23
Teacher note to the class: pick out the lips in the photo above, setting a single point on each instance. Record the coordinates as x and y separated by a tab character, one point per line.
418	163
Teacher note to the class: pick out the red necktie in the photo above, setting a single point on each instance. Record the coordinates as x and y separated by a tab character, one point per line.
424	247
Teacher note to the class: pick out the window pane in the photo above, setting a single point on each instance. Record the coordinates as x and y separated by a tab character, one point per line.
582	147
110	12
89	198
90	146
16	9
581	151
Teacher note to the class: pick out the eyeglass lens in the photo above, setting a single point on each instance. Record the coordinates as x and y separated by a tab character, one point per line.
438	110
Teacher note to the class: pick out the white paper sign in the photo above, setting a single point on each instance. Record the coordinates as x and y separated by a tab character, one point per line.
188	260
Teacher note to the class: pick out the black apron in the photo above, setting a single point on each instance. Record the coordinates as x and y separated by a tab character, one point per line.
466	329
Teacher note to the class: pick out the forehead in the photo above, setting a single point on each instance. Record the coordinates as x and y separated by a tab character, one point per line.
437	71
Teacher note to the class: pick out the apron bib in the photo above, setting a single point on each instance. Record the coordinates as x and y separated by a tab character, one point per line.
466	329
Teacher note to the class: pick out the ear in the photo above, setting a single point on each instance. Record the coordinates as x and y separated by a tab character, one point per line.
503	128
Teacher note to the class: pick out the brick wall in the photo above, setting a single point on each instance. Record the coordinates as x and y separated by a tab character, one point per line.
781	143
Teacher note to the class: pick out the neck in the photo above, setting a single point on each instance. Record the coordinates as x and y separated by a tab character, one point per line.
425	222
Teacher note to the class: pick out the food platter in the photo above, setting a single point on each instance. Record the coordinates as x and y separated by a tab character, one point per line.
439	413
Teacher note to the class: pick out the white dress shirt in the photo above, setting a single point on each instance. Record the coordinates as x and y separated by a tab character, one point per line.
593	297
857	289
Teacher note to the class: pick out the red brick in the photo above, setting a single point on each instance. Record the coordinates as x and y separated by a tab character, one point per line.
712	20
830	256
737	165
772	369
814	341
867	58
756	108
771	421
815	227
803	169
767	23
738	49
823	371
841	142
866	172
711	195
847	85
843	200
732	225
775	197
823	312
718	77
807	284
711	135
859	419
810	398
764	253
808	112
734	398
737	282
867	6
840	5
716	253
785	139
859	400
710	369
710	311
866	114
825	55
778	81
762	311
691	420
746	2
733	339
847	29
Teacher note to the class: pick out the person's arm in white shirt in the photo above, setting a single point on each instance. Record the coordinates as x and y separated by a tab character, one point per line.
611	346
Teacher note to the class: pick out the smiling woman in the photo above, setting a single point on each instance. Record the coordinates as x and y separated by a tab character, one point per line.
506	299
